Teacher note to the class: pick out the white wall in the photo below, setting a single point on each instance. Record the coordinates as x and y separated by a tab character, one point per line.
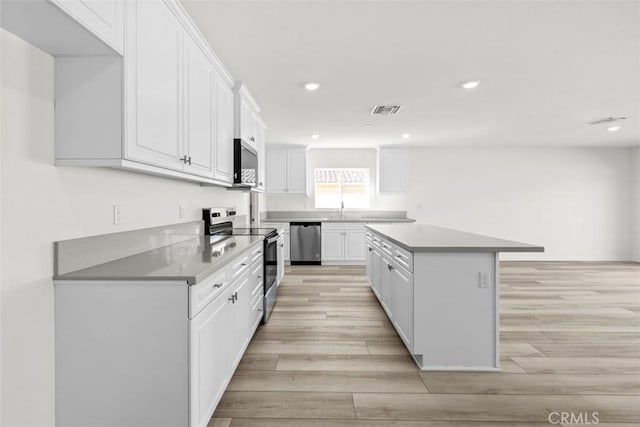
575	202
336	158
41	204
635	200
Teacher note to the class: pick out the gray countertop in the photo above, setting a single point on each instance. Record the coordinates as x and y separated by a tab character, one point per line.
190	261
329	219
430	238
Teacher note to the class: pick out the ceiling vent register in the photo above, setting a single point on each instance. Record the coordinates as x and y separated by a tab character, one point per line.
385	110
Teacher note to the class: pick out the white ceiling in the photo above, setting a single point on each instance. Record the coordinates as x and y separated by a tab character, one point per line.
547	68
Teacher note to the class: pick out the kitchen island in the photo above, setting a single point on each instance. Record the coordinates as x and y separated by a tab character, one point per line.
439	288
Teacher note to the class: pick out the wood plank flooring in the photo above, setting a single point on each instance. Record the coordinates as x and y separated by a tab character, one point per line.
570	336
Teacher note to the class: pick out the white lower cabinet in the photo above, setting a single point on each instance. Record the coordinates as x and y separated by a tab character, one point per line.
210	361
425	293
143	353
343	242
402	303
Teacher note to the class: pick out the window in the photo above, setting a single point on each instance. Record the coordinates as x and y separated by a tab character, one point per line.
333	186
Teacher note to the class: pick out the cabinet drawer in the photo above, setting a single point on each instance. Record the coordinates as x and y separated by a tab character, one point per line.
256	253
403	257
387	247
206	291
239	266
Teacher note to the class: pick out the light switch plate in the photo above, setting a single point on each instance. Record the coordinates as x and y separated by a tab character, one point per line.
117	214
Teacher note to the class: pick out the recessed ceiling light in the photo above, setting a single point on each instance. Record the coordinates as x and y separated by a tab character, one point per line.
614	128
406	135
368	125
312	86
472	84
315	136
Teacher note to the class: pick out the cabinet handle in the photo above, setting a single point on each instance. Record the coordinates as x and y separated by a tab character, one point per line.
232	298
390	267
259	277
217	285
235	295
183	159
189	160
243	264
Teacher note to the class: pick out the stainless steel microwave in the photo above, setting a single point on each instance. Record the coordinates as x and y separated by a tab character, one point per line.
245	164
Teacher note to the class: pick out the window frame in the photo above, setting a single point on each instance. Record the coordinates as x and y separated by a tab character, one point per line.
367	184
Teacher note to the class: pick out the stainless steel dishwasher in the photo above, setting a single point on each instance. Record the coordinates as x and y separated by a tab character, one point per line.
305	243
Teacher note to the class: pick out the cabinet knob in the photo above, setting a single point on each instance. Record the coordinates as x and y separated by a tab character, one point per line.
370	249
217	285
232	298
253	139
390	267
183	159
189	160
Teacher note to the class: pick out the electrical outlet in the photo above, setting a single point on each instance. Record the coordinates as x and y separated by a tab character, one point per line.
483	280
183	211
117	214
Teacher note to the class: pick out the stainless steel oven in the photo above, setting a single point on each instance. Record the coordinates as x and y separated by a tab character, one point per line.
219	226
270	273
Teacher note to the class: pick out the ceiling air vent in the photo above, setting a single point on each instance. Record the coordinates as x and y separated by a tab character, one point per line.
386	110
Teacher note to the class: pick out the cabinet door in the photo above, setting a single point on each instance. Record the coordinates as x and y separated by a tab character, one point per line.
297	171
246	121
198	110
153	56
385	281
376	273
223	159
276	171
369	261
104	18
210	358
242	316
333	245
402	304
354	246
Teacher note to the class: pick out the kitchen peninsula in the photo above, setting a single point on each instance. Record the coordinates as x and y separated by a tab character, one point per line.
439	288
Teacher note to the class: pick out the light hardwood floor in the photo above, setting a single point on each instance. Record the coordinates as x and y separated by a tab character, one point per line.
329	357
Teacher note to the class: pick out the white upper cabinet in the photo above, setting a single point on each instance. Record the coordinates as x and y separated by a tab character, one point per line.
153	63
165	108
223	170
393	170
287	170
246	115
297	171
199	115
85	27
104	18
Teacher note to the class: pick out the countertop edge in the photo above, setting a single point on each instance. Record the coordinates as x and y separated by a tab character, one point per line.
189	280
383	220
491	249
